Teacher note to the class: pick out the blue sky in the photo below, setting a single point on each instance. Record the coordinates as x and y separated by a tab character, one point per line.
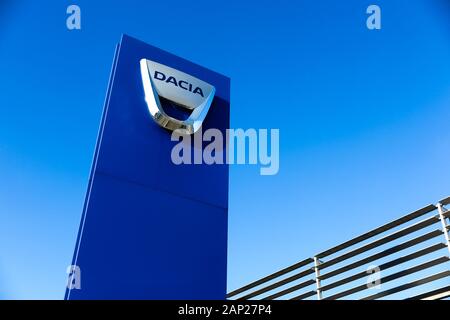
363	118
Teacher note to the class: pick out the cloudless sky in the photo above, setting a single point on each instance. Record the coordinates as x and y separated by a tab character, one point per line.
363	118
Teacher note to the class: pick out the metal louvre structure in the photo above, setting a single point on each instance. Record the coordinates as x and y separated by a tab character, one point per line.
407	258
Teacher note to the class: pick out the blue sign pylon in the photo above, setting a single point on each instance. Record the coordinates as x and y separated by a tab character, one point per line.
151	229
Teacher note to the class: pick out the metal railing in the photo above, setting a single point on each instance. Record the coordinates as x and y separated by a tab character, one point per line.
413	251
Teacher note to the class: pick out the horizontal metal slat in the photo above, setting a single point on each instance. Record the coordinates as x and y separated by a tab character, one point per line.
393	276
291	289
378	230
439	296
270	277
277	284
445	201
409	285
382	254
443	292
387	265
304	295
393	236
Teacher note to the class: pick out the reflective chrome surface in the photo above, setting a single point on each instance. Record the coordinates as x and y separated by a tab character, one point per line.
183	89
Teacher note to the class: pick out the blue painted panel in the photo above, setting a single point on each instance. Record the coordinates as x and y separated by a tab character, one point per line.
132	142
151	229
149	244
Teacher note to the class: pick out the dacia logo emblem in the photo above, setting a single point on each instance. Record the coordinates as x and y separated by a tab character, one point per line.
184	90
